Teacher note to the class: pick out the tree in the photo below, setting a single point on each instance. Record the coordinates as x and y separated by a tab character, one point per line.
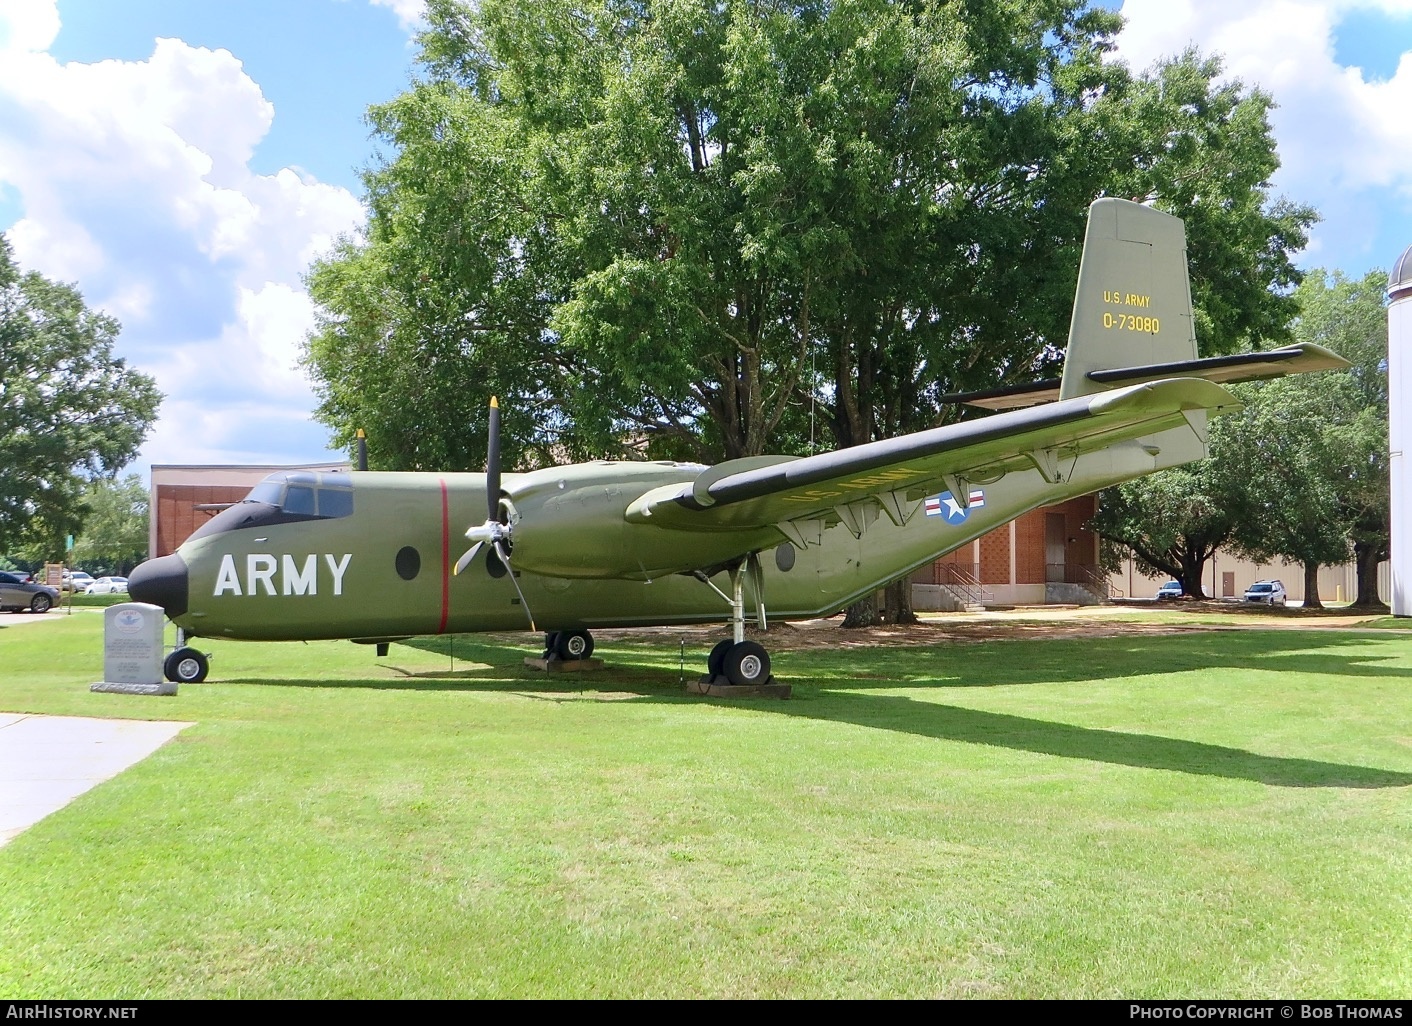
1172	522
69	409
1282	474
1300	473
114	535
1349	316
674	228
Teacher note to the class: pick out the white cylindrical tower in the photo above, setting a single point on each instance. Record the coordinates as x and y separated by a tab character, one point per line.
1399	384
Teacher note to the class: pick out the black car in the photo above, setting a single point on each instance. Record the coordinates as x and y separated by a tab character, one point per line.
18	595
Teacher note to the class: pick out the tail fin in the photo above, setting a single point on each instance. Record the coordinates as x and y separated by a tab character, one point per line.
1133	304
1132	318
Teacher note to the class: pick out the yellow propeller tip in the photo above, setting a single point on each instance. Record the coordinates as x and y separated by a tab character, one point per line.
494	403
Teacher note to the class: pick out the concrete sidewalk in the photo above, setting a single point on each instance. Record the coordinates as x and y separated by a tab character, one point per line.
48	761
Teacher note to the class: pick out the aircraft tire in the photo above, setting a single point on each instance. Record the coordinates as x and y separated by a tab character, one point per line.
746	664
572	645
716	661
186	666
551	643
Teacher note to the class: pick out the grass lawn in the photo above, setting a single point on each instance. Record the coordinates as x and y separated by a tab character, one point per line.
1208	813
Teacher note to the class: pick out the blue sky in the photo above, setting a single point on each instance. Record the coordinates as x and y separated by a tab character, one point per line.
183	162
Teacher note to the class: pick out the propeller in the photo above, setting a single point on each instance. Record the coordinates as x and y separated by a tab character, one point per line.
493	531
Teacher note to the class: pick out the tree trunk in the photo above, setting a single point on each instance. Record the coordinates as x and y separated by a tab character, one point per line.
863	613
1367	557
1191	577
1311	586
899	602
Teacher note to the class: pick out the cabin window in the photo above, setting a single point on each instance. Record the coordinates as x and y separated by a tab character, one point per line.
335	502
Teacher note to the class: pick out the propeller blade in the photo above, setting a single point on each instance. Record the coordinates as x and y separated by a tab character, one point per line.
492	464
504	555
465	559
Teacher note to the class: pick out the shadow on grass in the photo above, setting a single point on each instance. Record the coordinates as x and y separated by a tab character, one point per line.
651	675
1005	661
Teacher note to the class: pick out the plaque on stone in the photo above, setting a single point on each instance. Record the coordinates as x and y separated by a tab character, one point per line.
132	650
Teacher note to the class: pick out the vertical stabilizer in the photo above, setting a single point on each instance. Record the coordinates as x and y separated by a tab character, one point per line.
1133	303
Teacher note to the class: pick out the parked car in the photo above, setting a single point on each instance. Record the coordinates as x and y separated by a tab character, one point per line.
1170	590
107	586
1267	592
77	581
20	595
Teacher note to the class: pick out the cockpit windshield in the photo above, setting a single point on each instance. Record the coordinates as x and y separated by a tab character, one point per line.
305	493
286	497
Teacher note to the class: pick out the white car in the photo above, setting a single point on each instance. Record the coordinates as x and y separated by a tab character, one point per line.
107	586
1267	592
77	581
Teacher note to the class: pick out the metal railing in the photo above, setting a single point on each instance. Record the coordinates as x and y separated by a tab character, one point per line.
1088	576
964	580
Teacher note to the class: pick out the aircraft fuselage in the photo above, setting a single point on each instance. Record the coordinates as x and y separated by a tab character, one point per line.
381	566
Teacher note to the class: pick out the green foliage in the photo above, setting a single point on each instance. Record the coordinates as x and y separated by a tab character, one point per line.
69	409
1172	521
1349	317
114	536
1300	473
1206	154
677	228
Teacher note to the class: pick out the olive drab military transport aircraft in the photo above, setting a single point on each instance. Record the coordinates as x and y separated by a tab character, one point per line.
376	557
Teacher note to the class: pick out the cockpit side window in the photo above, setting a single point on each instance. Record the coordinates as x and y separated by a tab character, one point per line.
335	502
299	500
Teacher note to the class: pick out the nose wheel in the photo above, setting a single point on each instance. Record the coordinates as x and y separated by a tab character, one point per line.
186	666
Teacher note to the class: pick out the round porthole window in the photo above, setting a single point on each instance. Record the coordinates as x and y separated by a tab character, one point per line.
784	557
409	562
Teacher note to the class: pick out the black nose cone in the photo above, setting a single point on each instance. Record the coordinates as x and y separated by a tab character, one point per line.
162	582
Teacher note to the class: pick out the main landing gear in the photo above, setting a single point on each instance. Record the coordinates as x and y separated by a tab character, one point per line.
568	646
737	667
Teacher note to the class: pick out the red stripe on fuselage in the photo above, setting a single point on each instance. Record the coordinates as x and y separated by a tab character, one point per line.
445	559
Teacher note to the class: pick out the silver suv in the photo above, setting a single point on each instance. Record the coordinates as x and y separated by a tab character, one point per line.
1267	592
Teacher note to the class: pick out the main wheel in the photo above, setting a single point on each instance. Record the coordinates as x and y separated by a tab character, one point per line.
716	661
41	603
747	663
572	645
551	643
186	666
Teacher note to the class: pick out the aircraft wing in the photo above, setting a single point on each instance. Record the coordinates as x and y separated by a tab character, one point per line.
899	472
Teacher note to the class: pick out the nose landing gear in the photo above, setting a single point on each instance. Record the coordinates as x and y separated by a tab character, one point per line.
186	665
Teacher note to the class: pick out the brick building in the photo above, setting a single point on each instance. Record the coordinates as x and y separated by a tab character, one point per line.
1046	555
185	497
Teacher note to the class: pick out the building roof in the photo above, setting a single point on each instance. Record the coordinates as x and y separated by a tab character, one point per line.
1401	277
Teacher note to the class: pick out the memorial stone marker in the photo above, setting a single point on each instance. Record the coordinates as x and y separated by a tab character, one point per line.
132	650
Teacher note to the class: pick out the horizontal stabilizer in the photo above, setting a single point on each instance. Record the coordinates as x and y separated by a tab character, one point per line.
1304	358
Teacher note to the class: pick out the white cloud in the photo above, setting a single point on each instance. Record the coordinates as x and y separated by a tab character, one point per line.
27	24
410	13
1345	138
135	183
61	248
